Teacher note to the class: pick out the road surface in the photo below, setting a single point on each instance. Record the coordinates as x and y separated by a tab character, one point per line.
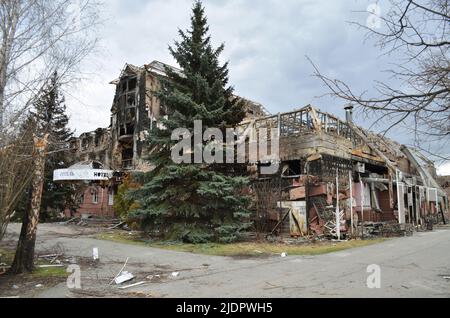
409	267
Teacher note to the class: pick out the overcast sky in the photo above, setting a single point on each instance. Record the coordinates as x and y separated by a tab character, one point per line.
266	44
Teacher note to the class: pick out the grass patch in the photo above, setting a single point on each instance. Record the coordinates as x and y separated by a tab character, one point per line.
6	256
263	249
51	272
249	249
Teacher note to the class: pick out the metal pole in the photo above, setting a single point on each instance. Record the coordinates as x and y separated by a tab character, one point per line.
362	207
307	196
399	208
350	182
338	212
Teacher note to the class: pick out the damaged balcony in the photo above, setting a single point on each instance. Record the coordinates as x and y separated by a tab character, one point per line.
126	133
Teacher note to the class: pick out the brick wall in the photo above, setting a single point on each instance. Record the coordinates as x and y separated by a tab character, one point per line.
96	201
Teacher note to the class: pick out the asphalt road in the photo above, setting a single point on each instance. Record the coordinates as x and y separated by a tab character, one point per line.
409	267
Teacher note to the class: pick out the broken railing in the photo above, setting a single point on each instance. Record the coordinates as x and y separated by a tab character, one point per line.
305	120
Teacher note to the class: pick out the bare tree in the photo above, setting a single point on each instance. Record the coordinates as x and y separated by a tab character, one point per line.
418	32
24	258
16	173
37	38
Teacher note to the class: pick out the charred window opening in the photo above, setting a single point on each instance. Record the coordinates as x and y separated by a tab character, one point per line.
132	84
97	139
128	84
130	129
293	168
131	100
127	158
74	145
383	171
130	115
127	129
84	143
96	165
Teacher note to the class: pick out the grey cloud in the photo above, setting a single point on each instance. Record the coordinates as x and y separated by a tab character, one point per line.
266	43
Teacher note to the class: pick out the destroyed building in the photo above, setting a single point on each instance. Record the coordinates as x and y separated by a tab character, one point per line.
332	171
135	110
444	182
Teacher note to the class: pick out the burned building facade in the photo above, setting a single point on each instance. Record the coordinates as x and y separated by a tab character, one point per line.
334	176
135	110
337	177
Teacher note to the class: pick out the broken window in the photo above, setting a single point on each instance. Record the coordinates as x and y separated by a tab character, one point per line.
80	200
127	158
130	115
84	143
130	129
132	84
128	85
94	196
131	100
97	165
111	197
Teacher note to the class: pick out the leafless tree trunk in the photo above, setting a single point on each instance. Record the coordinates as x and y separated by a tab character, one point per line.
419	100
24	258
37	38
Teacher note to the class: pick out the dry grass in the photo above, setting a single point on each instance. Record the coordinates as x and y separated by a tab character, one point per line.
249	249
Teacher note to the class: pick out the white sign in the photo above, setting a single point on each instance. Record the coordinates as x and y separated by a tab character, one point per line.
82	175
95	253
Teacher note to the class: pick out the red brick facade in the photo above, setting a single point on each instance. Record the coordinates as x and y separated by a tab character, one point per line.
95	201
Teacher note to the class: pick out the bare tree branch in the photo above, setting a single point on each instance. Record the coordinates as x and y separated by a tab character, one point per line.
418	33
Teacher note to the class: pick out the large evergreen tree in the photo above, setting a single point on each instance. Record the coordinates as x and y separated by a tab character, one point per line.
194	202
49	116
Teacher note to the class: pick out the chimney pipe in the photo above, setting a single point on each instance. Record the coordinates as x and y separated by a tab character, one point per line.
349	113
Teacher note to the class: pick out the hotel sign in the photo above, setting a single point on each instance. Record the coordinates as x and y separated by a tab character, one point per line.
82	175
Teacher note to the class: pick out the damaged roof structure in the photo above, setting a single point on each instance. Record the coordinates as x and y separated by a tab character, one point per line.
334	176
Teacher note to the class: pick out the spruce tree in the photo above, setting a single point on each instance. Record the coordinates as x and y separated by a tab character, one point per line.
195	203
49	116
